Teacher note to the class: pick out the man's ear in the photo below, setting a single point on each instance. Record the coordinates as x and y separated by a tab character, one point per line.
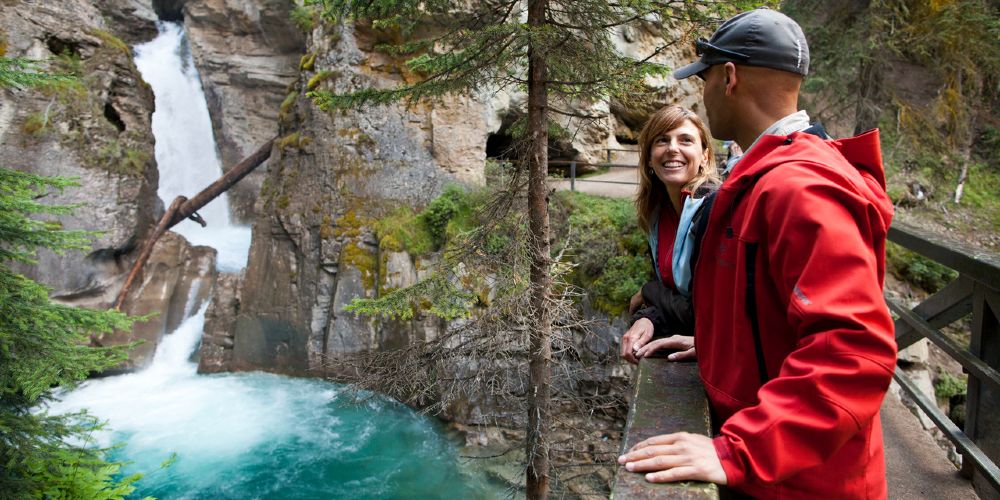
731	78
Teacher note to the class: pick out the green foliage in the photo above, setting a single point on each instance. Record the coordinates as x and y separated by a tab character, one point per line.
19	72
45	345
982	192
947	385
951	47
440	294
603	244
604	241
917	269
462	47
304	18
452	204
402	230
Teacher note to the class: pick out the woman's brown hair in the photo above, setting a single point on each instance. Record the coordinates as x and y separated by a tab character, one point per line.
651	189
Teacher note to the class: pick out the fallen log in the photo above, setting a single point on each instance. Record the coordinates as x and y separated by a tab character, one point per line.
187	208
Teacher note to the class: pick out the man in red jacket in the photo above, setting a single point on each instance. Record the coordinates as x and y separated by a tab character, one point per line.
794	340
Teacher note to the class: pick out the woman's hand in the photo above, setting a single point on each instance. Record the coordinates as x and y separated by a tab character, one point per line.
635	303
682	343
635	338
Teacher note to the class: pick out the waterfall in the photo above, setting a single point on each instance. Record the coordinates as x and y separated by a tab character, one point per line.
250	435
186	152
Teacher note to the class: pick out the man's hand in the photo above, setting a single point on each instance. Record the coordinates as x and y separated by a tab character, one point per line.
675	457
635	303
682	343
635	338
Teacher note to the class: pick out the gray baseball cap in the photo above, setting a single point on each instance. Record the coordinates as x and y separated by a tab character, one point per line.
760	37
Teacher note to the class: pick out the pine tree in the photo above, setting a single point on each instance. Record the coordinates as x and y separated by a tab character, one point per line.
44	345
561	51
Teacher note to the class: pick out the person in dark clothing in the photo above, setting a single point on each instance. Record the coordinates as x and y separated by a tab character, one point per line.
676	160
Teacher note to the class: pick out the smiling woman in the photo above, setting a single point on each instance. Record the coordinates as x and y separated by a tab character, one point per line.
675	159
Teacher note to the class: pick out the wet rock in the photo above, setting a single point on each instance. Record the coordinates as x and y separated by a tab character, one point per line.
175	282
216	351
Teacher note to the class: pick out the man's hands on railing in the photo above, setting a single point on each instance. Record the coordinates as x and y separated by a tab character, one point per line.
674	457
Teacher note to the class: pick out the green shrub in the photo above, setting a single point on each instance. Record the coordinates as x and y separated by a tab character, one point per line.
304	18
947	385
436	218
602	237
917	269
401	231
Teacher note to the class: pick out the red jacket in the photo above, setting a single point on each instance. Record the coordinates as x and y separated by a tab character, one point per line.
812	215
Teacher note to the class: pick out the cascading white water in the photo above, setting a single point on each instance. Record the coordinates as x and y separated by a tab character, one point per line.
185	146
250	435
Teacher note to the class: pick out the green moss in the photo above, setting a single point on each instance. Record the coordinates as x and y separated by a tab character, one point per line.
283	201
114	157
402	231
363	260
3	44
325	228
321	77
294	140
307	62
289	101
110	40
35	124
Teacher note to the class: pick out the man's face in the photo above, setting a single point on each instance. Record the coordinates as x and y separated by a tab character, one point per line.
714	97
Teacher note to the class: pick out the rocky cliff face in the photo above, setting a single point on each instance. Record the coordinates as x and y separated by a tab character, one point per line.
333	173
247	52
96	129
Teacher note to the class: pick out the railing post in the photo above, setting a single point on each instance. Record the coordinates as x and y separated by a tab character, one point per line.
609	155
983	401
572	176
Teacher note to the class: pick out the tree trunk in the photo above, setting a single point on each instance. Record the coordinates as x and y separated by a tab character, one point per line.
537	481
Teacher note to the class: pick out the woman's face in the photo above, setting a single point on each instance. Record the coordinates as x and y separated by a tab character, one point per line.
676	155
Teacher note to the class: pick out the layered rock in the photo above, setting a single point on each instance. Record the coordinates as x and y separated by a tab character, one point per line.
97	129
247	52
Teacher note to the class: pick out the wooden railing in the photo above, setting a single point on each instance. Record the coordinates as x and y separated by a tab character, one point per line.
975	291
669	397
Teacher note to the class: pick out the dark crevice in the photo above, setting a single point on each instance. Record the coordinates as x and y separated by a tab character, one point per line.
62	47
112	115
169	10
